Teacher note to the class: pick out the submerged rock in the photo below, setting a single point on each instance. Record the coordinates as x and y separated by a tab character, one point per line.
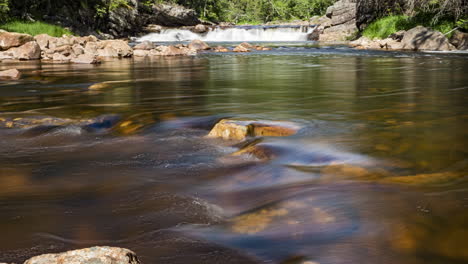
94	255
12	74
231	129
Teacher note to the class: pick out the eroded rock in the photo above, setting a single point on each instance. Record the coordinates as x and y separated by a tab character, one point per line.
94	255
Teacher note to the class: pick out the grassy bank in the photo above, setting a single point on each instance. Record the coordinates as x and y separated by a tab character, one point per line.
35	28
383	27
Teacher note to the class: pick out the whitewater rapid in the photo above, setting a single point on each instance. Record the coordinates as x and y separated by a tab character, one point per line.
233	34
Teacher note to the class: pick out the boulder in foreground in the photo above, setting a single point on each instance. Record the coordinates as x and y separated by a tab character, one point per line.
94	255
230	129
12	74
10	40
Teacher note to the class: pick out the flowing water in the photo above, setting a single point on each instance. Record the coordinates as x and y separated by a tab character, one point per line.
377	174
234	34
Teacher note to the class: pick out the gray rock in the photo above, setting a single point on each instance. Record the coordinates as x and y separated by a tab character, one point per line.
339	24
94	255
12	74
422	38
174	15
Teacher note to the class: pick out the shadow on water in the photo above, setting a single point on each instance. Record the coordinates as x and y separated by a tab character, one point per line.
116	154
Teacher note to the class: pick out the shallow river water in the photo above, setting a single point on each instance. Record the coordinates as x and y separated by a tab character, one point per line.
377	174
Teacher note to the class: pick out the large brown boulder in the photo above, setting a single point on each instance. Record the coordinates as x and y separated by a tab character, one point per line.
101	255
28	51
10	40
459	40
121	48
422	38
12	74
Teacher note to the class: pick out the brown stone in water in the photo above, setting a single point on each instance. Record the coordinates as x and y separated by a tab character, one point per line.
97	255
12	74
221	49
230	129
198	45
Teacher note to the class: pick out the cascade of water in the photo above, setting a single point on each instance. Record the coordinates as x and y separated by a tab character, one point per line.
233	34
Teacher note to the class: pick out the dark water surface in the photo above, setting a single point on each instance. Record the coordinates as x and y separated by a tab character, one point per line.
378	174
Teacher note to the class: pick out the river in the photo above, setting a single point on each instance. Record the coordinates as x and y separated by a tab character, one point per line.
377	174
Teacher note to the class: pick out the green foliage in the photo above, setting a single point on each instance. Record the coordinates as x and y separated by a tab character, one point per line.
106	6
383	27
35	28
253	11
4	8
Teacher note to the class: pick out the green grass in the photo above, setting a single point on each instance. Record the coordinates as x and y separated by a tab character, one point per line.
383	27
35	28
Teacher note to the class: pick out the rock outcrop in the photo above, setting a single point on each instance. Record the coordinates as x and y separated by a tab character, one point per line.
97	255
173	16
341	22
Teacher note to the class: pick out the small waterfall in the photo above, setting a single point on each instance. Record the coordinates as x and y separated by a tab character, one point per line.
234	34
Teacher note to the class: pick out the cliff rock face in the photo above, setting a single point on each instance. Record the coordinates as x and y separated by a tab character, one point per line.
173	16
342	21
83	18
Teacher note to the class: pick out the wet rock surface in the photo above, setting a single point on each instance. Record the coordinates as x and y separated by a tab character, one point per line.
95	255
231	129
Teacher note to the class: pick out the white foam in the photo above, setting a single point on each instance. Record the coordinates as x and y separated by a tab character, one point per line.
234	34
